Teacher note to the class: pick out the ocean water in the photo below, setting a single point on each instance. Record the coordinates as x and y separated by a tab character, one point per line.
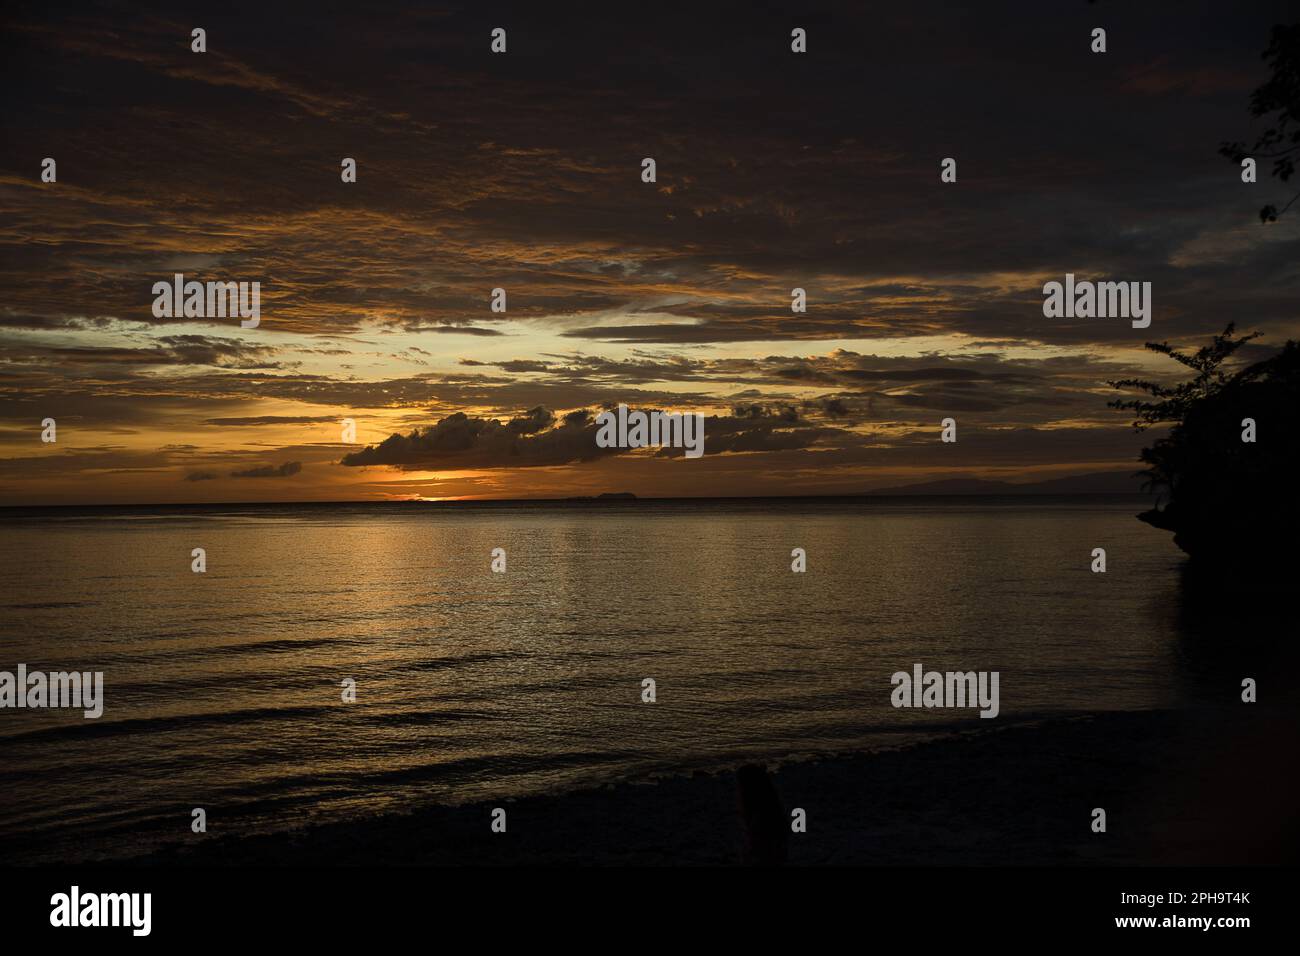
223	689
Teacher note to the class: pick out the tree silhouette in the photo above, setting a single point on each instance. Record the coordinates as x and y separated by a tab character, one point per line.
1280	142
1226	499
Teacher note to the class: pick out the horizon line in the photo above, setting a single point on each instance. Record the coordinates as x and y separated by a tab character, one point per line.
604	498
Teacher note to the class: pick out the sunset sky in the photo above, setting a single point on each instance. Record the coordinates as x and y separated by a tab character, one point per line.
523	171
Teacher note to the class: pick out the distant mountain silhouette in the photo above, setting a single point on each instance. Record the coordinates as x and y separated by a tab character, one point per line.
1093	483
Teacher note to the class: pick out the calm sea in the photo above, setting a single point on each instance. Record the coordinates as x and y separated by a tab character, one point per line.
222	689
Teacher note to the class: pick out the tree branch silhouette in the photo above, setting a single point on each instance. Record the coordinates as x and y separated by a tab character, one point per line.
1280	94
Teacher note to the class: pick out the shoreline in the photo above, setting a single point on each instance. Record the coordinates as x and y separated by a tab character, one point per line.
1179	788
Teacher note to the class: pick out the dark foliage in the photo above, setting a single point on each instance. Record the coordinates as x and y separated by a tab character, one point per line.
1280	94
1228	501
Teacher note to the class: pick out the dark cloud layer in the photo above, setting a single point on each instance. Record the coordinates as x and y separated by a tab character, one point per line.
522	172
288	469
459	441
